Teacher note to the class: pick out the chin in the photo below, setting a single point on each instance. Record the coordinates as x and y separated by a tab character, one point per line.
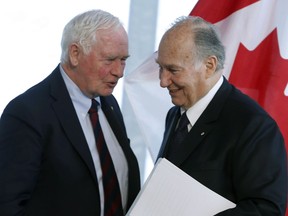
178	101
107	93
175	102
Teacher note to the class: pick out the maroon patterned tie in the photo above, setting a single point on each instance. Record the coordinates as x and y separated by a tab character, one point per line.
112	195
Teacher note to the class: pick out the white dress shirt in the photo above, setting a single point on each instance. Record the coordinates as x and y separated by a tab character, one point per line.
82	105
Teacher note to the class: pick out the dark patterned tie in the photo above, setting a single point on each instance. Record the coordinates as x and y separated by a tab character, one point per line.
112	195
178	136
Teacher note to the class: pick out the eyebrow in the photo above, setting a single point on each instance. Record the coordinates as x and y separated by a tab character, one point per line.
168	65
126	57
116	57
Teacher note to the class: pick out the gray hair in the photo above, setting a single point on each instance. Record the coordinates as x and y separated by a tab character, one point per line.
206	39
82	28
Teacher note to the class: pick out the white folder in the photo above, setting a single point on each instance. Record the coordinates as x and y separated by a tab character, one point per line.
168	191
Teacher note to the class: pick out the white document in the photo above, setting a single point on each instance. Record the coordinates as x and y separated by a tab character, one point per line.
169	191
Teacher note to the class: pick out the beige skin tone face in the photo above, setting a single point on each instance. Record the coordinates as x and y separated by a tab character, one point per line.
186	82
97	73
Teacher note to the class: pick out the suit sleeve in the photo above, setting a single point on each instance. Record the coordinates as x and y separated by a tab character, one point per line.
260	171
20	157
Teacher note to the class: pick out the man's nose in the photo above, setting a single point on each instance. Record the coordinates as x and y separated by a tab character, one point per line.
165	78
118	68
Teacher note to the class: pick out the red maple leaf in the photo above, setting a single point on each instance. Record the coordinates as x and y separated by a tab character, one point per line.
263	75
221	8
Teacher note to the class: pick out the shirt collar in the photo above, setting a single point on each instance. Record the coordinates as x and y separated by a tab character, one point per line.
194	112
81	102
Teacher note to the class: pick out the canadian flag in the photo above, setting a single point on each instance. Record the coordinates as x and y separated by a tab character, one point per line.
255	36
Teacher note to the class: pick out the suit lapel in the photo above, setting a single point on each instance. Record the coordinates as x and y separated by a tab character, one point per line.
113	114
170	127
203	126
110	112
67	116
193	139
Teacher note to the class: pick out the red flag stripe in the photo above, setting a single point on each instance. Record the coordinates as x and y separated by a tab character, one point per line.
220	10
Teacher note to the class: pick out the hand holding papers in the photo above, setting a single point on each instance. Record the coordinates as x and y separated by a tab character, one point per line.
169	191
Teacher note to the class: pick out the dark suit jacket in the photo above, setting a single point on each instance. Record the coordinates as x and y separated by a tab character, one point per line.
45	164
236	150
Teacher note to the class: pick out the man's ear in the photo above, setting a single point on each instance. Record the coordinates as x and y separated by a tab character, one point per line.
211	64
74	51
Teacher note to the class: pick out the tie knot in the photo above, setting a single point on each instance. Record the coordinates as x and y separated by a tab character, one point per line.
183	122
94	106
